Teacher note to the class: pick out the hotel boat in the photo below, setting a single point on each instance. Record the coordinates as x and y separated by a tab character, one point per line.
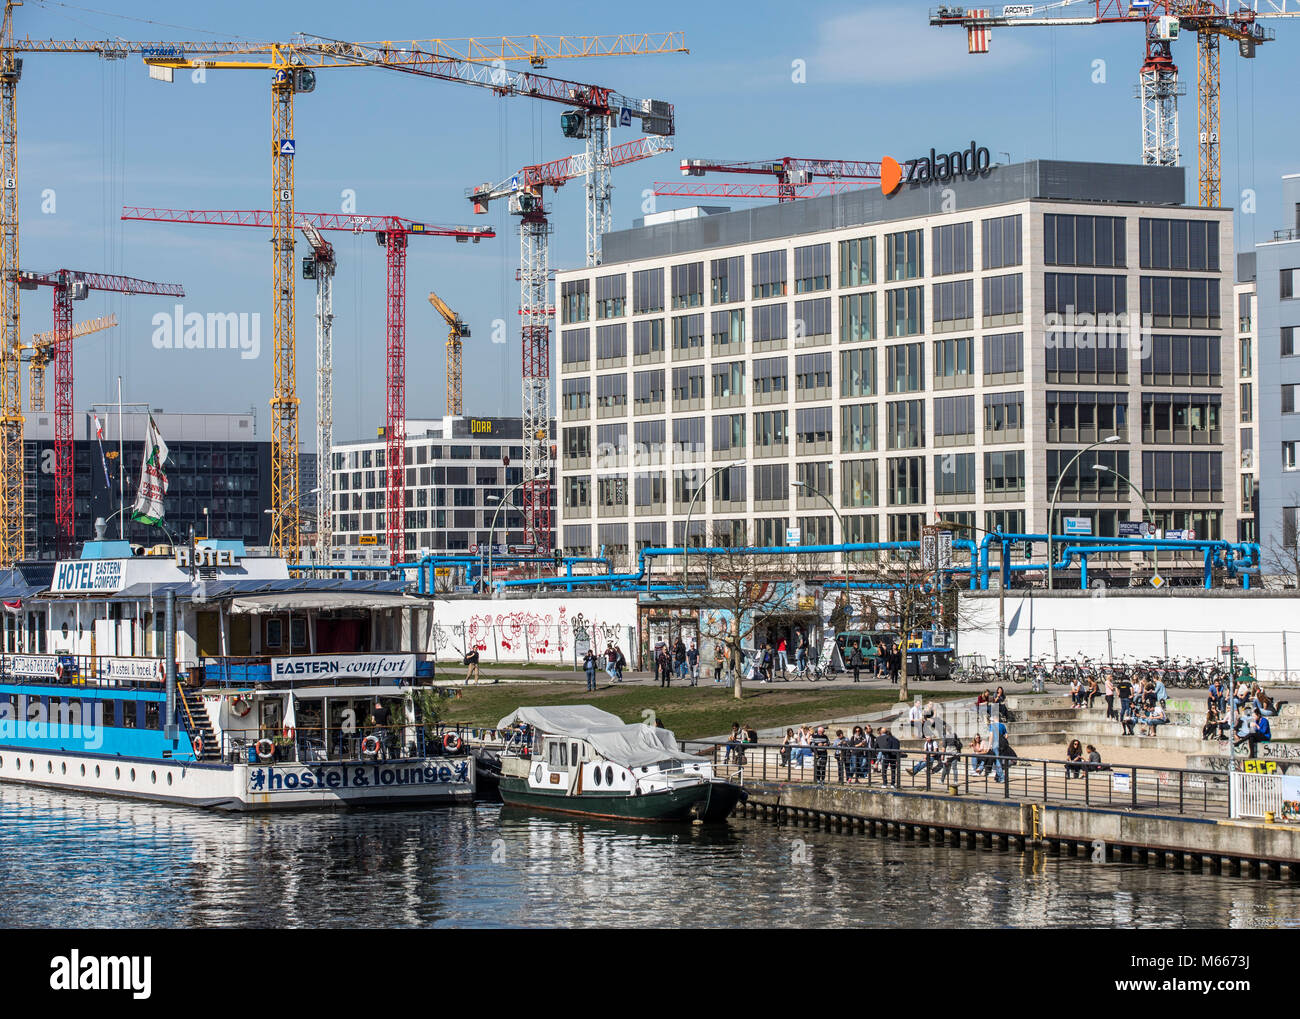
581	760
266	703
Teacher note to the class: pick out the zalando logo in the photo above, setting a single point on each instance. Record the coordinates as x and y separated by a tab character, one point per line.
937	166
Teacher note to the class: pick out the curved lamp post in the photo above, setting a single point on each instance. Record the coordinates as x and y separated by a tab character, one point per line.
1151	517
493	526
1051	507
848	604
297	498
686	534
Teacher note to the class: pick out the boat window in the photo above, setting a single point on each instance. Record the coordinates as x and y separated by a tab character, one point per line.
596	775
574	753
609	775
151	717
564	755
553	755
127	714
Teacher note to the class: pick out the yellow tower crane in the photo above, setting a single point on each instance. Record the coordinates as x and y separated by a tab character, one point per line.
293	66
42	348
457	330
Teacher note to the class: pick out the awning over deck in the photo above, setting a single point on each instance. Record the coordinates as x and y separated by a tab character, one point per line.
319	601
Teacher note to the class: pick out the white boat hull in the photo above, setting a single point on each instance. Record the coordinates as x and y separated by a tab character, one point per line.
252	787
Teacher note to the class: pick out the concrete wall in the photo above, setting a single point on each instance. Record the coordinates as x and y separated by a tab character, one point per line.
1114	624
553	630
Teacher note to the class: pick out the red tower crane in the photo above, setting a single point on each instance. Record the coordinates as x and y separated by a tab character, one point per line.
523	192
392	232
70	285
794	178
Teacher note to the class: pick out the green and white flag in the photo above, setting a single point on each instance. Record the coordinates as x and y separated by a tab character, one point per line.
148	506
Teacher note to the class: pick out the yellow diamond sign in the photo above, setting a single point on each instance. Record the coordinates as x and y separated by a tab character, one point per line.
1157	581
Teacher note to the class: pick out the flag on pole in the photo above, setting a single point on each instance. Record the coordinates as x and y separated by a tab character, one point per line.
148	506
99	435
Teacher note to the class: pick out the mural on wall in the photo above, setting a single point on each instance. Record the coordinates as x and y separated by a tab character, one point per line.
535	629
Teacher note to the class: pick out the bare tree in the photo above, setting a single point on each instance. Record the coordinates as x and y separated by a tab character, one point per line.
1282	555
746	591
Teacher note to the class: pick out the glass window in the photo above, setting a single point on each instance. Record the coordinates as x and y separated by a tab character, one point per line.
903	255
688	285
769	274
812	268
951	249
858	262
647	291
1001	242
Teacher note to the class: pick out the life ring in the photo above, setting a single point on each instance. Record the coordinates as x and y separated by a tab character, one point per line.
162	671
58	672
370	745
452	743
198	745
289	733
240	702
265	749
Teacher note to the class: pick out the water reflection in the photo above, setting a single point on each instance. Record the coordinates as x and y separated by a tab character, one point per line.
71	860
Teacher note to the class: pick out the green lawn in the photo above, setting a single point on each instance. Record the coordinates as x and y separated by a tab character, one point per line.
691	712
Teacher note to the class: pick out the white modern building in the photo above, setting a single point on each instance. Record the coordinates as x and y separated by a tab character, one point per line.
941	352
458	469
1277	323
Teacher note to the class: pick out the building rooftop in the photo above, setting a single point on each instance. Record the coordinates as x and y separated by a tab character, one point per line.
1051	180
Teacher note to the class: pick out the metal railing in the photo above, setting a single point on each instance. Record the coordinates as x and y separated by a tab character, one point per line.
1123	786
325	744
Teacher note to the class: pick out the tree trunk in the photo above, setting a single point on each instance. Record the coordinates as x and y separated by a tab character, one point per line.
737	657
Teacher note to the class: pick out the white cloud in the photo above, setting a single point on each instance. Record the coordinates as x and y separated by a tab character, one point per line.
895	45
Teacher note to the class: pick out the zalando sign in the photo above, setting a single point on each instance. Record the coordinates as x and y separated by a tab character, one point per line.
937	166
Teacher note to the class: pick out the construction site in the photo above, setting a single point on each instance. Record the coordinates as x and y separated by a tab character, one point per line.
649	474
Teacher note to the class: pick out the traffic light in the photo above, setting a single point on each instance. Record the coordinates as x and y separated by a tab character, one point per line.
559	559
1029	549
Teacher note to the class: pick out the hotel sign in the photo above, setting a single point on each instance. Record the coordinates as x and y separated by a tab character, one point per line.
80	576
376	666
357	778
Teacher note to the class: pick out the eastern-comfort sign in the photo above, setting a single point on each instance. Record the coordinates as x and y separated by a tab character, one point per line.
937	166
376	666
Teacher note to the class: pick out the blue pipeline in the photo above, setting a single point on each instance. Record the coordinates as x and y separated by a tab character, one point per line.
473	565
640	577
1233	556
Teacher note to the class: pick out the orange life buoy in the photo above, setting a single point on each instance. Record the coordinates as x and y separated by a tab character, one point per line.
289	733
370	745
198	745
452	743
265	749
241	702
58	672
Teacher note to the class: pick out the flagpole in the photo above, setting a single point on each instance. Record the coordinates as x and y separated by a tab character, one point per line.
121	469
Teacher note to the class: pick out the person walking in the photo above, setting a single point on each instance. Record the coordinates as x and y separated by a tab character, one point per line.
891	664
782	659
855	660
801	652
1124	690
471	660
693	664
998	746
611	660
857	754
620	662
589	667
679	657
664	662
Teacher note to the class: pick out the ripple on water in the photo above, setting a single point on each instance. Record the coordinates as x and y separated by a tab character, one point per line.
72	860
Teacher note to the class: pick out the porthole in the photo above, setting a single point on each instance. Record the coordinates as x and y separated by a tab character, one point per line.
596	773
63	768
31	765
2	762
83	771
49	767
169	778
117	772
97	771
609	775
153	777
132	774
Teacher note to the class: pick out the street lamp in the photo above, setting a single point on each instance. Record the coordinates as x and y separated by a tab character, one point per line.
686	534
501	502
848	604
1151	517
1051	507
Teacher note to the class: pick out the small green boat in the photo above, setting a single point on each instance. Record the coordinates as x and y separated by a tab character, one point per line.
578	759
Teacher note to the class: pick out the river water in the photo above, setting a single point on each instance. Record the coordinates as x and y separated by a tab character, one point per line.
68	860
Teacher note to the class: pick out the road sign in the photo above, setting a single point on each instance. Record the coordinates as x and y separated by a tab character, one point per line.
287	147
793	536
1078	525
624	117
442	571
1157	581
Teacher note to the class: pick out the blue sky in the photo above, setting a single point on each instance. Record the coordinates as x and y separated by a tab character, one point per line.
879	81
